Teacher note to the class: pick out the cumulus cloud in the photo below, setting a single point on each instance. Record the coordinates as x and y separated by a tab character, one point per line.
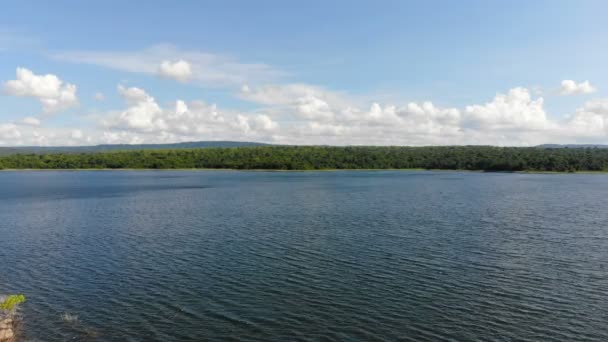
324	116
316	115
256	123
314	108
180	70
305	101
203	68
589	121
196	120
514	110
143	113
303	114
570	87
52	92
134	95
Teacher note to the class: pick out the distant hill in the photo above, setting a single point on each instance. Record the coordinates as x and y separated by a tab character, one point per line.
123	147
572	146
186	145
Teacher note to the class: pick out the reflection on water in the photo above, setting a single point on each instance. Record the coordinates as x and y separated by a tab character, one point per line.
173	256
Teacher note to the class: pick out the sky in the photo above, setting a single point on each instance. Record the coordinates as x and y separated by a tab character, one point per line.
516	73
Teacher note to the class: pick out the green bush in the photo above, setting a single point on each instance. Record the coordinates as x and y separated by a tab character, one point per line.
11	302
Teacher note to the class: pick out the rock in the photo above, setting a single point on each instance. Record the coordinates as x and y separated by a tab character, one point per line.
6	323
6	334
6	330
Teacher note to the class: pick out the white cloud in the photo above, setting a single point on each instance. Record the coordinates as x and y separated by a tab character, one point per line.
324	129
259	123
134	94
143	113
77	134
31	121
317	116
303	114
99	96
570	87
52	92
22	134
515	110
304	101
590	121
205	68
9	133
311	107
180	70
289	94
146	120
293	113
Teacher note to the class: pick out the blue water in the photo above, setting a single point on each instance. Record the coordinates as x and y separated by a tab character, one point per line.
314	256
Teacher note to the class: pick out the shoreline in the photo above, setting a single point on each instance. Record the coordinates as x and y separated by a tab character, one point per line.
301	170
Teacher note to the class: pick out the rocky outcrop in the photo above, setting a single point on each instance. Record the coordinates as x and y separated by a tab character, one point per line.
7	333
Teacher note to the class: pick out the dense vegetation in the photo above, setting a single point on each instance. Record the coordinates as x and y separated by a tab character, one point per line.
321	157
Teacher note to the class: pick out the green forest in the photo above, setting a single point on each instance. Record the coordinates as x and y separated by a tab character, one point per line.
481	158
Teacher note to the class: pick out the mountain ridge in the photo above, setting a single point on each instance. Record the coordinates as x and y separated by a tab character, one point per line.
125	147
572	146
8	150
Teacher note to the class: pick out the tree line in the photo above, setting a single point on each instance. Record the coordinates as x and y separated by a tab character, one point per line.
485	158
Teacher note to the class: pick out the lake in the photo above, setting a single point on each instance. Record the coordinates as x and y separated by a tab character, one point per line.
306	256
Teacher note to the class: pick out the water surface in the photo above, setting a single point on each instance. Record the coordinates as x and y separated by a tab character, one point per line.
312	256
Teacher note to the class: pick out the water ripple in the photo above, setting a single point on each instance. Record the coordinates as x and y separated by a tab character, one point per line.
370	256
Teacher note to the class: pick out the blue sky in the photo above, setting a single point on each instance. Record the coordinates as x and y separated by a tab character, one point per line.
332	72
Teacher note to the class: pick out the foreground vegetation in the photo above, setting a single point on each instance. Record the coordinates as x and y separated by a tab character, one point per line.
9	316
484	158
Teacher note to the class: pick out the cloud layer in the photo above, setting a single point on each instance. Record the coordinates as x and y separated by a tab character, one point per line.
295	113
201	68
311	116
